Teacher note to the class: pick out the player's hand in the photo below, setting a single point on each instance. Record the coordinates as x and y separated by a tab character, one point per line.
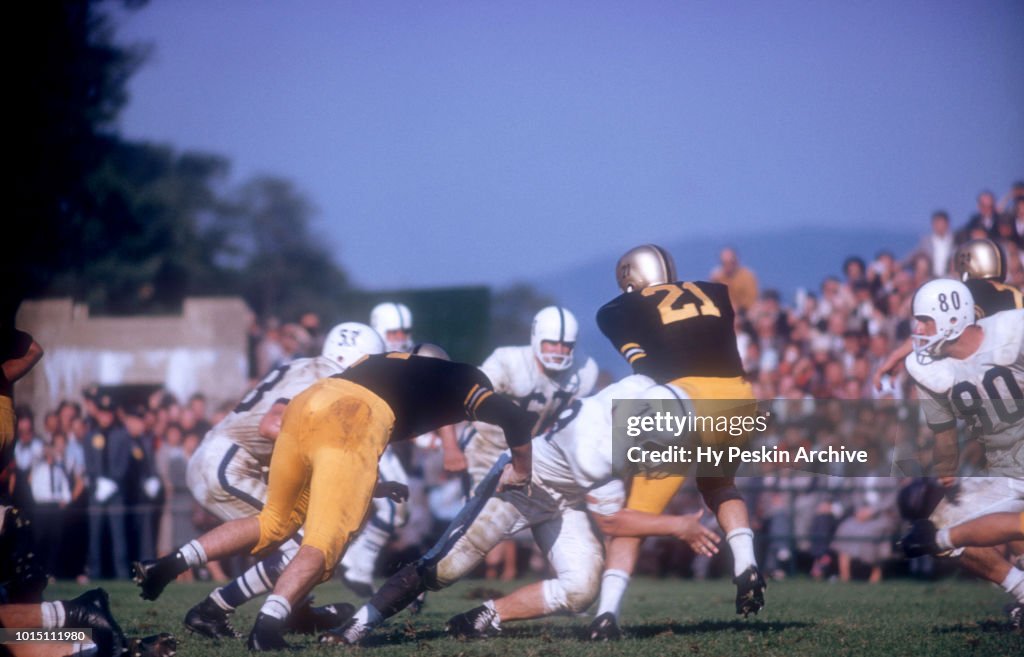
392	490
701	539
947	482
455	461
512	478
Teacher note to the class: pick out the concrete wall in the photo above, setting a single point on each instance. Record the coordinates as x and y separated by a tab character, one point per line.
201	350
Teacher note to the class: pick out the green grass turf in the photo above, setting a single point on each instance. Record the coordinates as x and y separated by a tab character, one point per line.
661	617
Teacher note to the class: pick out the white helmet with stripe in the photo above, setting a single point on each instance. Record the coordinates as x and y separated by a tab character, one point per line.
950	305
349	341
557	325
393	322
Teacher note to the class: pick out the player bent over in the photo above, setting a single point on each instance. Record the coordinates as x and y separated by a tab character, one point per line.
325	466
226	476
576	479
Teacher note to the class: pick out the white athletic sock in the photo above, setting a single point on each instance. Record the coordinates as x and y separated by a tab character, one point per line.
88	649
741	542
193	554
219	600
53	615
368	616
613	588
276	606
361	556
496	621
1014	584
943	540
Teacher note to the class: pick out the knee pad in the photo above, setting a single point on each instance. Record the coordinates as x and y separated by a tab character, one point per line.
717	490
555	596
572	596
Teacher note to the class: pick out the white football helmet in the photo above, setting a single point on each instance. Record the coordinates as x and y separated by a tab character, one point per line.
430	350
950	305
554	324
394	318
349	341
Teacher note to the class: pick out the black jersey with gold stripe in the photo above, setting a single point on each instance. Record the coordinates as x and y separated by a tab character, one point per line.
991	297
428	393
674	330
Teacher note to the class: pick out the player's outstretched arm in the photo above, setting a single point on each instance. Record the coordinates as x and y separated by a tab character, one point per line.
993	529
687	528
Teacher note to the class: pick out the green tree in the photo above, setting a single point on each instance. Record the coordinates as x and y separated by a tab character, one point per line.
287	269
69	85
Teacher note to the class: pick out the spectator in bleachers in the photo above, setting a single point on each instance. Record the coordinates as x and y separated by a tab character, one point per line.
172	466
54	485
865	535
76	524
197	405
742	281
27	451
983	222
311	323
1010	226
938	245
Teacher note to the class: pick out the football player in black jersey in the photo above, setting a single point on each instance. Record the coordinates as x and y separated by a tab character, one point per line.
324	468
679	332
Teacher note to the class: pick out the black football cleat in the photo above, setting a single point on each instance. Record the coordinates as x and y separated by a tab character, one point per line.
92	610
605	628
750	588
1017	617
21	576
209	620
157	645
267	634
920	540
154	576
351	633
307	619
477	623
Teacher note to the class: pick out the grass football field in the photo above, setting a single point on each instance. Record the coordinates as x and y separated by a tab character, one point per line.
661	617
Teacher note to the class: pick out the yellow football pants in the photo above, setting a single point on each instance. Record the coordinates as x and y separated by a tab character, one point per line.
715	396
324	467
7	429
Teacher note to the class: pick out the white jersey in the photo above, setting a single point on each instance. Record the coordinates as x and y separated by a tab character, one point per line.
576	459
515	373
983	389
242	425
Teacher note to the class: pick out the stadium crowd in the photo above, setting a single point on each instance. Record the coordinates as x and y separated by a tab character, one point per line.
110	474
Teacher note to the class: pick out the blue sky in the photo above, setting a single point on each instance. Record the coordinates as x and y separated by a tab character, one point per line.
449	143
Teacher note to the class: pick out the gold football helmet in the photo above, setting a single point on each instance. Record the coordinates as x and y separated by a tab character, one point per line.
980	259
430	350
643	266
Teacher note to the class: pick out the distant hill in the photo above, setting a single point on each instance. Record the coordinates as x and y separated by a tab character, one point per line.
783	260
